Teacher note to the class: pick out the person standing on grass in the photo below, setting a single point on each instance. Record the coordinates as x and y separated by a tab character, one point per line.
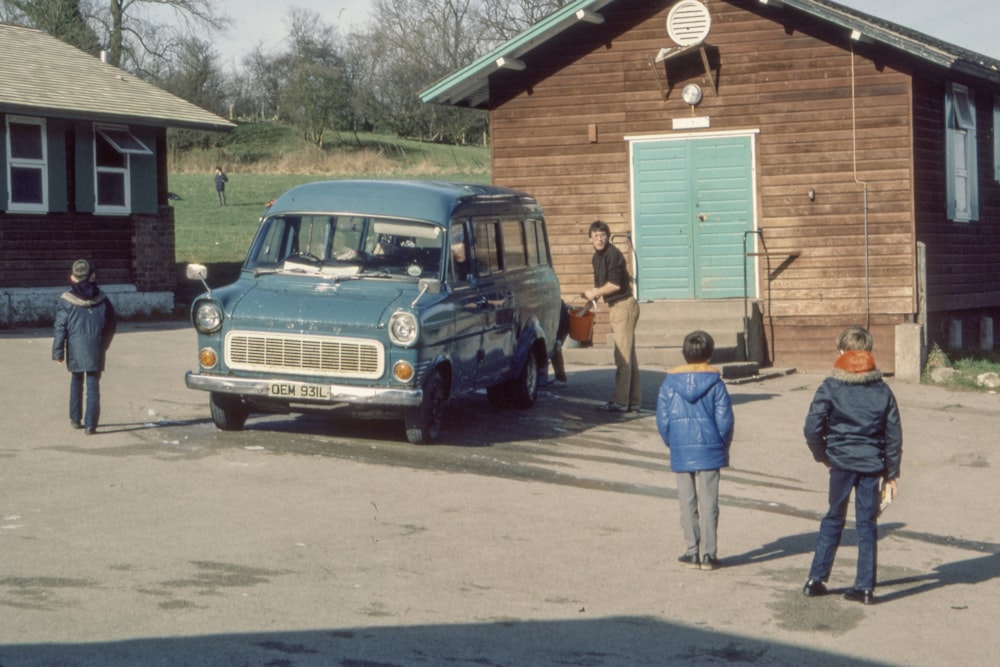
220	185
853	428
84	326
694	416
613	282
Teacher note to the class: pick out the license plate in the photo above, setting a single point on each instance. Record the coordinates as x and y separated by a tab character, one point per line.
318	392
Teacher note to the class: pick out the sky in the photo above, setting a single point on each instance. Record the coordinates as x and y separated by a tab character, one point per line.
972	24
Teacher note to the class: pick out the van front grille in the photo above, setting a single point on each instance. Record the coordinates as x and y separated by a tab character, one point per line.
310	355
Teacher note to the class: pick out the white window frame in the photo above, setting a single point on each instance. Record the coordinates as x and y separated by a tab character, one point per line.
38	164
126	144
996	138
961	161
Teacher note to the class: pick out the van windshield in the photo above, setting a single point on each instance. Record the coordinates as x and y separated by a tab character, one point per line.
347	246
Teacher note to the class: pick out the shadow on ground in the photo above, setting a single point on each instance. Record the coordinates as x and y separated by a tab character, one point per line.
605	642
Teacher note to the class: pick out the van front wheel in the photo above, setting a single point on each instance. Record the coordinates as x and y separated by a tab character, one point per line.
423	423
228	411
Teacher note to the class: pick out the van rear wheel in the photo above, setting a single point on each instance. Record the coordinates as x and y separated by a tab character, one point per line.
524	387
423	423
228	411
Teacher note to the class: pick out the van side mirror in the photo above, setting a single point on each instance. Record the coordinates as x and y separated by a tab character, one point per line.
429	285
197	272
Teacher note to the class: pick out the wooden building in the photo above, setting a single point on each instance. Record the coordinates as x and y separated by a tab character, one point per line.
83	174
850	164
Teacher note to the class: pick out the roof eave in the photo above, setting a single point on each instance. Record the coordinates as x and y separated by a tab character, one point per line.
469	86
863	30
471	83
221	125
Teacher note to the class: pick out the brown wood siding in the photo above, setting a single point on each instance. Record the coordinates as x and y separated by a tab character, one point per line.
790	81
963	283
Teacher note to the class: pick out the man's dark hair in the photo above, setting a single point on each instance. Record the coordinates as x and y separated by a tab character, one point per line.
698	347
599	226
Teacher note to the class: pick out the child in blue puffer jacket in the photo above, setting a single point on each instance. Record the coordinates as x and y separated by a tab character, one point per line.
694	415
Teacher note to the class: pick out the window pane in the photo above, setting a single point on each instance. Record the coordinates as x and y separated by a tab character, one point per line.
487	252
107	156
123	141
110	189
965	115
26	186
513	245
26	141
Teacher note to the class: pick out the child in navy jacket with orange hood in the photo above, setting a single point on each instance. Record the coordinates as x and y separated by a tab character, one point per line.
694	416
853	428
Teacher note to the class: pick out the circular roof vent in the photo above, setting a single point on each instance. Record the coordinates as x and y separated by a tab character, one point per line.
688	23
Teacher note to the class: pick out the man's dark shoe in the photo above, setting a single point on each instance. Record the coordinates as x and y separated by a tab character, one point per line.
614	407
860	595
813	588
690	560
76	424
710	562
89	431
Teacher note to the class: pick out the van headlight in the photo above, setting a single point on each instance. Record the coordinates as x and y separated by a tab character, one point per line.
403	329
208	317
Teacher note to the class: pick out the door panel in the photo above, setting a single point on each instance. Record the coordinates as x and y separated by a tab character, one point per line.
693	201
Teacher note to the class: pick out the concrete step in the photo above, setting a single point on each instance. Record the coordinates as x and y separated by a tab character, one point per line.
661	330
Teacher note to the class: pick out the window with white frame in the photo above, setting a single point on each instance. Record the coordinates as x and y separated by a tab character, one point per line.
996	138
962	175
113	147
27	167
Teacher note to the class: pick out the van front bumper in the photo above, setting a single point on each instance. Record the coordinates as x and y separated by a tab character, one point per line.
338	394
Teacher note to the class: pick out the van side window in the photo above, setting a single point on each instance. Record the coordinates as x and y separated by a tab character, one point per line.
514	252
488	259
459	264
538	254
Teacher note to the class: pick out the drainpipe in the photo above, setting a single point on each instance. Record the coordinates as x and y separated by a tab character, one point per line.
854	139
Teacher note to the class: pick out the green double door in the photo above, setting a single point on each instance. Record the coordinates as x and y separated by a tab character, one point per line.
693	203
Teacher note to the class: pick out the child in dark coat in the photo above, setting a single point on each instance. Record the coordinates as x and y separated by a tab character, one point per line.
694	415
853	428
84	326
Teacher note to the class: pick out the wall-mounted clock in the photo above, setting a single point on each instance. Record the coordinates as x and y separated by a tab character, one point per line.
691	94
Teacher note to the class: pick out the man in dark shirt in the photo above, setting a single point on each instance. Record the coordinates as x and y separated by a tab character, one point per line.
613	282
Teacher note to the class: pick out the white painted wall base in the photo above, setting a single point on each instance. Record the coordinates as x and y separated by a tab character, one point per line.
30	306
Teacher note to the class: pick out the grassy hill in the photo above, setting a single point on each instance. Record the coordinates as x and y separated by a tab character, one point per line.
263	161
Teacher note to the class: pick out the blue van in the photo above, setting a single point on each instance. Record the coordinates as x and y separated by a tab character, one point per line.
381	298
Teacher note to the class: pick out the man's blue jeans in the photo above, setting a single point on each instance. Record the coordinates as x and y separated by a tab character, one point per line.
76	391
865	487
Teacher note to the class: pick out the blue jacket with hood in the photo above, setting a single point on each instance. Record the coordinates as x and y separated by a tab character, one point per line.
694	415
84	325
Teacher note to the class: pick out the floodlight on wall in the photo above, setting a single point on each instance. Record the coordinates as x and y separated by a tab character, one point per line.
504	62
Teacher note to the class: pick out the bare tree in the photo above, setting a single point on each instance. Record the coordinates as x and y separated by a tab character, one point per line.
132	34
63	19
412	43
504	19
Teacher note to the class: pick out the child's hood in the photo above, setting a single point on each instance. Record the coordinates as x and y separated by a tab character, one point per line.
692	381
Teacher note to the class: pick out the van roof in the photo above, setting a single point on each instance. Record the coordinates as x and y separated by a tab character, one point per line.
434	201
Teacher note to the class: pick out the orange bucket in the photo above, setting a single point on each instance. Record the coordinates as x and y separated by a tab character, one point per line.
581	322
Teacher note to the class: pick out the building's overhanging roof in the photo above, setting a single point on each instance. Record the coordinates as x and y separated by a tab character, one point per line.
469	86
42	76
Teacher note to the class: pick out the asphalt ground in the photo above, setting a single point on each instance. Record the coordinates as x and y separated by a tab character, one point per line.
544	537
